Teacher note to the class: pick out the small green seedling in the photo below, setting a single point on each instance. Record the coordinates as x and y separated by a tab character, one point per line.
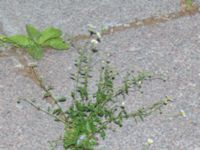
35	41
188	3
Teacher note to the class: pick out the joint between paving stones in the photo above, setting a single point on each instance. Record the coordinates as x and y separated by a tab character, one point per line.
137	23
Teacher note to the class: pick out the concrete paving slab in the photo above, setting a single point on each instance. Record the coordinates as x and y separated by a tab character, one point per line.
21	126
197	1
170	48
73	16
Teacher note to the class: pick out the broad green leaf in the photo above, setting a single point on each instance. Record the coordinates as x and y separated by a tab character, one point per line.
57	43
49	33
36	52
33	33
19	40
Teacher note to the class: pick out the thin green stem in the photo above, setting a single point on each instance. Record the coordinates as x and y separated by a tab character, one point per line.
42	85
46	112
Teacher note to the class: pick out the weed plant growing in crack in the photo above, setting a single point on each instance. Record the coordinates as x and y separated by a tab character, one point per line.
91	113
36	40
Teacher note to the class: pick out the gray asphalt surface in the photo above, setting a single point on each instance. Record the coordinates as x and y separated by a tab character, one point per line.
73	16
170	48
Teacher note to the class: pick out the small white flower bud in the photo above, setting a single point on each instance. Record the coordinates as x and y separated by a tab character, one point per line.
149	141
182	113
94	42
98	35
20	66
103	61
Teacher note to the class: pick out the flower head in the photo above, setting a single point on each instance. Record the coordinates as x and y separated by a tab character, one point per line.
94	42
98	35
182	113
149	141
81	138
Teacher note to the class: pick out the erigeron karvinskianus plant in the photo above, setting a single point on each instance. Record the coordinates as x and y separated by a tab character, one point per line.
35	41
91	114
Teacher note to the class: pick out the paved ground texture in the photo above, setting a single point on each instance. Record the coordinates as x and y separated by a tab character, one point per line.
170	48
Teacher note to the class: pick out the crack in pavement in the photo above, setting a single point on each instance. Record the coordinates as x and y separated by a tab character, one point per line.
137	23
30	71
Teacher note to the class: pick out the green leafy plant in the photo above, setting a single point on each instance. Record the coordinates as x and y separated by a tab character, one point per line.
91	113
189	4
35	40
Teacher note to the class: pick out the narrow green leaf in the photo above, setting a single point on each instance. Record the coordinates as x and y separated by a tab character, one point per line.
103	134
33	33
88	127
49	33
57	43
36	52
19	40
48	109
47	94
57	120
62	99
57	111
